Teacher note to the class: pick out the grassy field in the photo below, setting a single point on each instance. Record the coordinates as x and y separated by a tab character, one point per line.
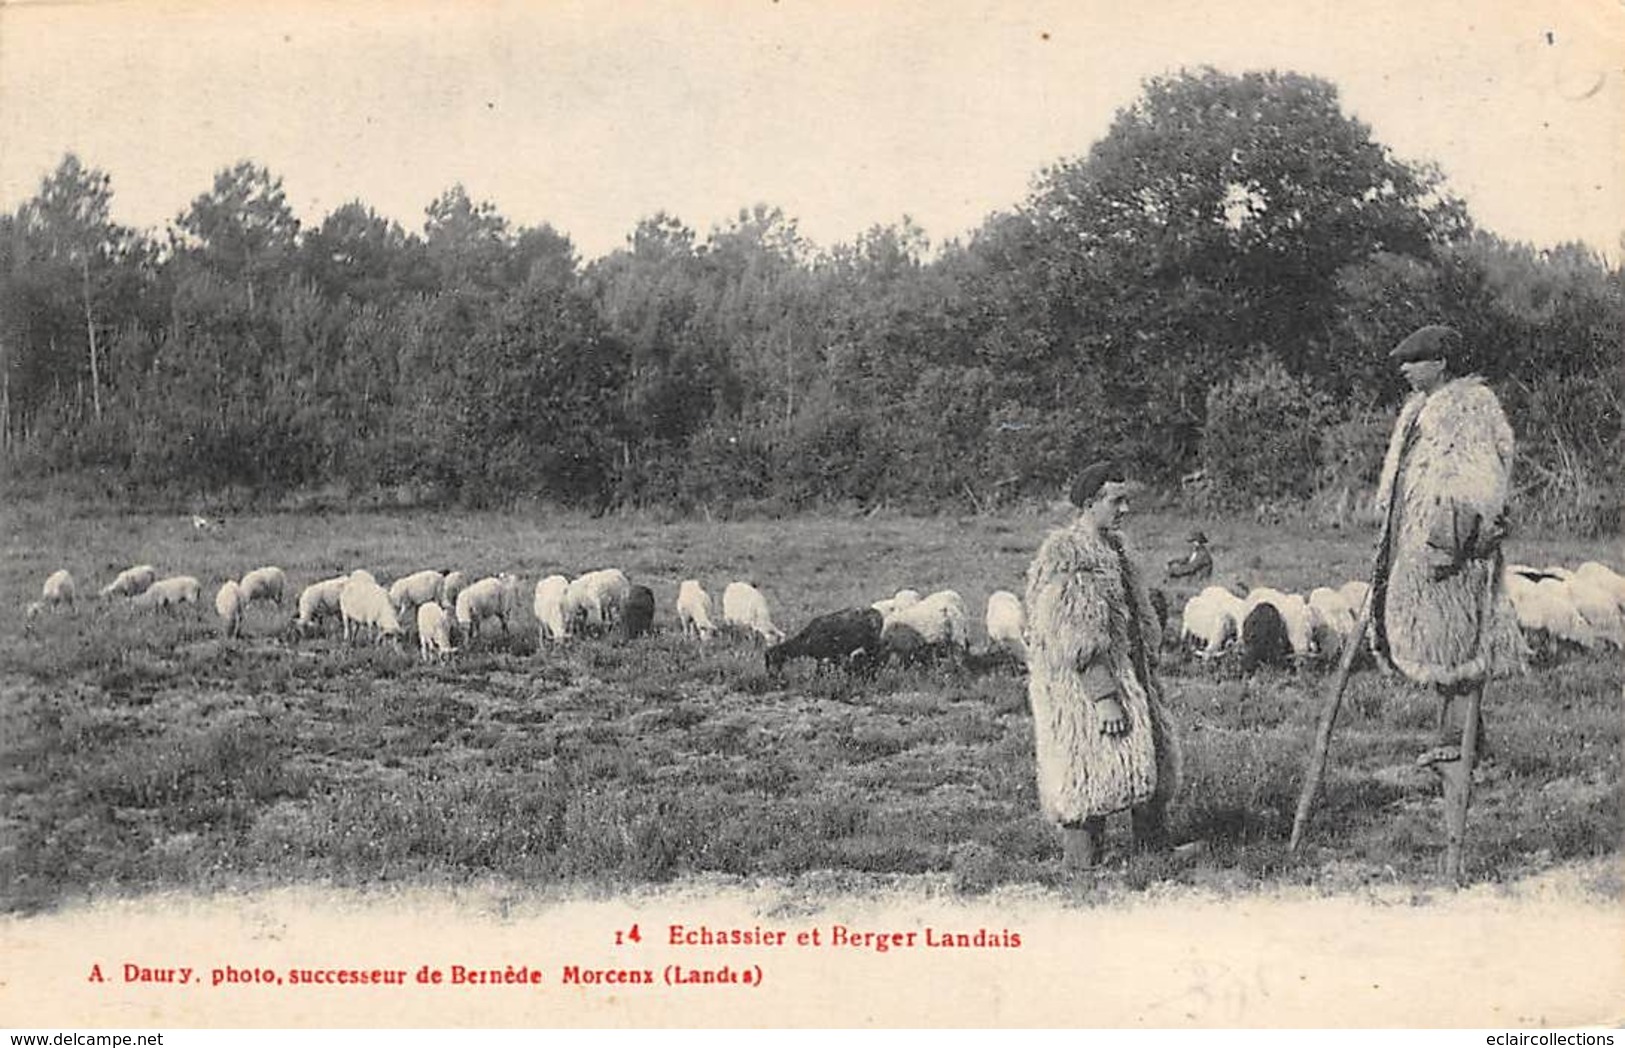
141	752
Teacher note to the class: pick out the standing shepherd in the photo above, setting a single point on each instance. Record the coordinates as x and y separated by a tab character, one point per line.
1441	615
1103	740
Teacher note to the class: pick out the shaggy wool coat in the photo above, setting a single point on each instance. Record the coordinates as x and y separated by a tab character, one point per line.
1090	625
1441	612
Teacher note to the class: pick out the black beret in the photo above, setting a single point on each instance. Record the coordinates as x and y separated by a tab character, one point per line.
1092	479
1433	342
1197	536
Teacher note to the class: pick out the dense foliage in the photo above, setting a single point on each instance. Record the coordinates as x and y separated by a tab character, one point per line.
1233	248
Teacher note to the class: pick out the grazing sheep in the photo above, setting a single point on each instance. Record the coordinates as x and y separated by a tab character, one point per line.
131	582
1603	575
1546	609
58	588
1331	620
744	608
549	609
268	583
229	602
1264	638
1211	621
1006	622
410	592
493	597
694	610
363	603
1294	611
170	593
939	619
903	644
596	598
1597	606
453	584
318	601
434	632
846	638
893	604
638	612
1354	594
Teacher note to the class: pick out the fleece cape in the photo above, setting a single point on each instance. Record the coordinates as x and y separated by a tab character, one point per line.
1088	616
1441	612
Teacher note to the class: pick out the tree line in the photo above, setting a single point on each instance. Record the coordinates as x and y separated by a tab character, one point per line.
1211	289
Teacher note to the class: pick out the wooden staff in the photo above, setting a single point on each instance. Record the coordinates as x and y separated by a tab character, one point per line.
1328	719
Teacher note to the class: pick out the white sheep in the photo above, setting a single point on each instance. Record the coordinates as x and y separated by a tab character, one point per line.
744	608
1211	621
267	583
939	619
410	592
694	610
1595	602
363	575
1546	607
363	603
131	582
454	583
434	632
58	588
1355	593
493	597
548	607
897	602
170	593
1006	624
597	597
228	603
1606	577
318	601
1331	619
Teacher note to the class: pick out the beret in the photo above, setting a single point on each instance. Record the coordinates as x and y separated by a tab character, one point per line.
1433	342
1092	479
1197	536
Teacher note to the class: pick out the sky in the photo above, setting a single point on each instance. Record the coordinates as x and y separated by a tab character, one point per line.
845	114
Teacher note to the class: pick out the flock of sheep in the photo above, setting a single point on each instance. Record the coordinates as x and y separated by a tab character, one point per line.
446	606
1584	607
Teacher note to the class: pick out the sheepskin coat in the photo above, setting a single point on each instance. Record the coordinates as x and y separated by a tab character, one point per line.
1088	615
1441	614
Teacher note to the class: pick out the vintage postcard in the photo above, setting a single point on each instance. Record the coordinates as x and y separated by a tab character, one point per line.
786	514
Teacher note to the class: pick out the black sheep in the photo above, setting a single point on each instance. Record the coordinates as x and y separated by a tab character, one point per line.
639	612
840	636
1264	640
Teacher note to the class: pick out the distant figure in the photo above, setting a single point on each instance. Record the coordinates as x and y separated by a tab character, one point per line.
1197	565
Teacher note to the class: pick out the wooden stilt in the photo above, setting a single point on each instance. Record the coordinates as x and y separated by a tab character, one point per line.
1458	790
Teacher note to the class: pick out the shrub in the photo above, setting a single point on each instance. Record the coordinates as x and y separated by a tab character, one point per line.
1263	435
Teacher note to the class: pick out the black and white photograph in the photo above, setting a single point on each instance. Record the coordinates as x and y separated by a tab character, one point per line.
765	513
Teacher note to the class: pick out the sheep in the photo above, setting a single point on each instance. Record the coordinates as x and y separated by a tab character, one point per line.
493	597
451	585
364	603
229	602
58	588
131	582
939	619
744	608
1211	621
170	593
1331	620
850	638
1604	576
597	597
410	592
434	632
1294	612
1264	637
1597	606
1545	610
1355	592
694	610
363	575
318	601
893	604
268	583
549	609
1006	624
638	612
